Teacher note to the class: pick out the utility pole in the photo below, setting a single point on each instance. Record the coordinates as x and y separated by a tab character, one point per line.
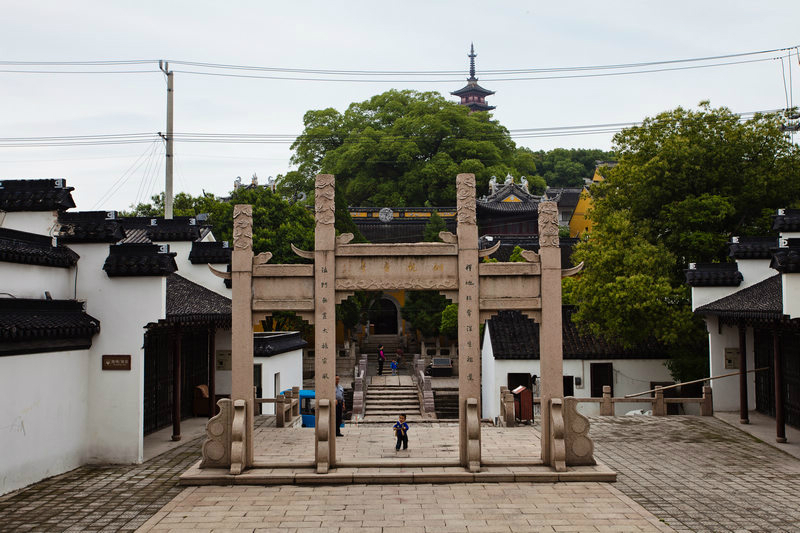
164	66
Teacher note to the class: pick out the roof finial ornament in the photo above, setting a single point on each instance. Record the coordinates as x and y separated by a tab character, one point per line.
493	185
509	179
472	55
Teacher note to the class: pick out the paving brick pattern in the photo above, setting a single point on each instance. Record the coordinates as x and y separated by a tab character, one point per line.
700	474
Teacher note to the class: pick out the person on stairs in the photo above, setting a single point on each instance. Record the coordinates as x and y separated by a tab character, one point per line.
339	407
381	360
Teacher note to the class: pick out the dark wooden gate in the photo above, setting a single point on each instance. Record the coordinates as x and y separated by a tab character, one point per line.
158	374
765	380
765	384
601	374
157	381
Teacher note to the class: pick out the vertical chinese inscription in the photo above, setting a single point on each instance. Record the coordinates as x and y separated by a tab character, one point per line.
325	312
469	366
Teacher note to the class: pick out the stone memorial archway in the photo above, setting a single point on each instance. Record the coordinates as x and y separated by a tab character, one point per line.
339	268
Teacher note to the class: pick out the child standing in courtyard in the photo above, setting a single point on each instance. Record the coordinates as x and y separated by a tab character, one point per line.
401	432
394	367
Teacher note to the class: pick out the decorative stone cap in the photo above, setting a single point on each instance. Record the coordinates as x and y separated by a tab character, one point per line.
140	260
786	259
35	195
33	249
752	247
90	226
210	252
786	220
713	275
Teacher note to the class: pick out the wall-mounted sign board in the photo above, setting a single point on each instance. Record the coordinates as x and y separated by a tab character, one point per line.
116	362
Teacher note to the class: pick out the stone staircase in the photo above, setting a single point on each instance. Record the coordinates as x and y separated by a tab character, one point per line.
388	396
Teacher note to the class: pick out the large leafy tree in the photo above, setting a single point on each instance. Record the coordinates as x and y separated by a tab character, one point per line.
686	181
404	148
562	167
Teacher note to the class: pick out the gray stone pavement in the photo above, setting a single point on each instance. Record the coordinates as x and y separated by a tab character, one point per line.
691	473
700	474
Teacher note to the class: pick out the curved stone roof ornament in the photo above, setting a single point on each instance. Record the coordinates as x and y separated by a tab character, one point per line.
302	253
493	185
509	179
524	183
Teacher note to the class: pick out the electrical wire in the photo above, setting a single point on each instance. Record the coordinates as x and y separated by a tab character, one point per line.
122	179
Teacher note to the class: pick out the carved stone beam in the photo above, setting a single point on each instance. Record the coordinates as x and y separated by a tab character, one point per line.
448	237
217	447
558	452
219	273
262	258
302	253
530	256
344	238
489	251
567	272
238	433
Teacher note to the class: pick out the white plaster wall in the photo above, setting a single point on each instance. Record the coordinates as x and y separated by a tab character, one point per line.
199	274
39	222
124	305
790	284
726	390
290	367
754	271
31	281
222	378
703	295
44	416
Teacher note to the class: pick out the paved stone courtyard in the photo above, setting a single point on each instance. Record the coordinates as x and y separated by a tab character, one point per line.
691	473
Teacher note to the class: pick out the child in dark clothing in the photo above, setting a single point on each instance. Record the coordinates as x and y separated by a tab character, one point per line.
401	431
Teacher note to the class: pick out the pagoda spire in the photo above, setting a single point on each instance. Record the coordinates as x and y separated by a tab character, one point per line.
472	55
473	95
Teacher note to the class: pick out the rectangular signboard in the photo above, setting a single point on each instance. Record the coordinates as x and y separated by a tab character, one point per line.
116	362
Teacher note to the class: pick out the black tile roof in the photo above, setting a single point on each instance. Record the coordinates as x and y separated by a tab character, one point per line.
787	260
90	226
530	242
472	88
753	247
160	229
564	196
788	221
494	203
33	249
274	343
514	336
28	326
191	303
714	275
139	260
210	252
762	301
35	195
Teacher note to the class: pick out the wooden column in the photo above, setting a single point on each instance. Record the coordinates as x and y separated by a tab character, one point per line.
744	417
242	320
325	315
469	359
212	371
550	334
176	384
780	421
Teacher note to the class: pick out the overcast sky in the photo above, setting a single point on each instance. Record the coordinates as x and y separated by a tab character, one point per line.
366	35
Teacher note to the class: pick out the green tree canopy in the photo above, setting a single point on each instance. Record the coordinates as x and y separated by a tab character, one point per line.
686	181
432	229
404	148
562	167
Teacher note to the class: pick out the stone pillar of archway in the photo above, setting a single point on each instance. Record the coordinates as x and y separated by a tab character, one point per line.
550	333
241	320
325	319
469	364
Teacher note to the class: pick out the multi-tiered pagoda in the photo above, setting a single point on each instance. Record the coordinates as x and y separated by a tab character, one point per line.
473	95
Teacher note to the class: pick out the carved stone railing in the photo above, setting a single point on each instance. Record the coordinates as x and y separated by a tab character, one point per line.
424	386
578	446
217	447
323	435
360	389
658	402
507	417
287	406
558	452
473	435
238	437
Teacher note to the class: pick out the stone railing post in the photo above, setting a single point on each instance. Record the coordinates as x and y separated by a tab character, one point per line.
280	412
707	407
427	395
659	407
296	405
607	406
